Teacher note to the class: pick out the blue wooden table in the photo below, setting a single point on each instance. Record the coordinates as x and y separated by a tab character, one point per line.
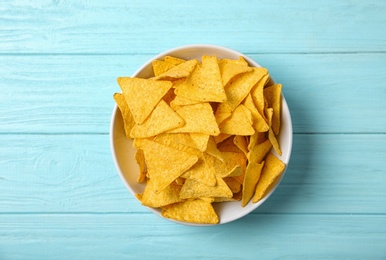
60	194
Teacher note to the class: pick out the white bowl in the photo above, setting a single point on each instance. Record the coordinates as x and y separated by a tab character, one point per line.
123	151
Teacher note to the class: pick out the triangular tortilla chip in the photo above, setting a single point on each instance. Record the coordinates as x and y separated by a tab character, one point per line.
179	102
259	151
271	135
252	176
259	123
239	123
272	170
213	150
165	164
198	118
167	196
142	95
179	141
160	67
194	211
128	121
241	142
173	60
234	185
240	87
205	83
257	93
201	140
196	189
140	159
182	70
161	119
273	96
229	69
201	172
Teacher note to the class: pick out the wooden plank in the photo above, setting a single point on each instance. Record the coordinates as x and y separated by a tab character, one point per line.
154	26
131	236
327	93
337	174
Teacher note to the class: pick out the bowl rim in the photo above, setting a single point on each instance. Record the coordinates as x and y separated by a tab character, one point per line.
251	62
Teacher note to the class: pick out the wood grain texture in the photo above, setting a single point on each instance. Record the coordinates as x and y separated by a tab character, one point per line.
326	93
75	173
111	236
153	26
60	195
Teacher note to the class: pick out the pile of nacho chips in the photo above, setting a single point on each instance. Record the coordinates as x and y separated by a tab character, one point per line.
203	133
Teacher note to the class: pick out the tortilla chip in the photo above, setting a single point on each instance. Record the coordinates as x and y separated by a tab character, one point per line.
201	140
273	96
182	70
205	83
174	60
201	172
272	170
142	95
259	151
140	158
196	189
257	93
213	150
161	119
160	67
252	176
198	118
167	196
128	121
165	164
194	211
240	87
241	143
234	185
229	69
259	123
239	123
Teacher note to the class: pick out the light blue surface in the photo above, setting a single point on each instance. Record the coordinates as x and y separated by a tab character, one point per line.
60	195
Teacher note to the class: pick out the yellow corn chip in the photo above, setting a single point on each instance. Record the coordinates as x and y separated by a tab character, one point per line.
252	176
257	93
273	95
198	118
205	83
240	87
194	211
201	172
165	197
174	60
272	170
257	138
179	141
234	185
165	164
182	70
228	146
161	119
259	123
196	189
213	150
142	95
179	102
201	140
239	123
241	143
229	69
128	121
271	135
140	158
259	151
160	67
